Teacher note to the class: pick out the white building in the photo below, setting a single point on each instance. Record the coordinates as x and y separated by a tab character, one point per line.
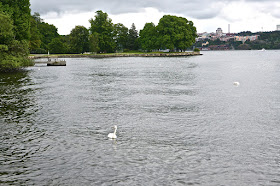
219	32
278	27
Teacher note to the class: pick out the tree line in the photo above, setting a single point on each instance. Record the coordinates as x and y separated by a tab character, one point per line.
22	33
102	37
172	32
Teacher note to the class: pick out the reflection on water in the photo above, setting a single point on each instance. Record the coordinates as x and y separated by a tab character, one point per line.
180	121
18	133
16	97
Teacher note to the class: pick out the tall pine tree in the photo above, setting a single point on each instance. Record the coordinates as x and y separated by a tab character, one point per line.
132	43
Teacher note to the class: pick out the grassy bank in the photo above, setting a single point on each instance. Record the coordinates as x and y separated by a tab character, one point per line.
128	54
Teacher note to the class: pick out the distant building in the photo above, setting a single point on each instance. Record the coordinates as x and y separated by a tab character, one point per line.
203	36
219	32
245	38
215	35
230	35
205	44
278	27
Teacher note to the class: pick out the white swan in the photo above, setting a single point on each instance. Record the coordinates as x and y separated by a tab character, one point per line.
113	135
236	83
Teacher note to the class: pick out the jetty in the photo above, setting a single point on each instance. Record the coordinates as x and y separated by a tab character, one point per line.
49	61
56	62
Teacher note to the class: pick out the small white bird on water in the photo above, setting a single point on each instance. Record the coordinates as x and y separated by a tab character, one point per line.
113	135
236	83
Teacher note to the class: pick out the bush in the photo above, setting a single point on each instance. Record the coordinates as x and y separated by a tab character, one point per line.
196	50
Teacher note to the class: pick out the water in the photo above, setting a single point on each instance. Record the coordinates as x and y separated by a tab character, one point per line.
181	121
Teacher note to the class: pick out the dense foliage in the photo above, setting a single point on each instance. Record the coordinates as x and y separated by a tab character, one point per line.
14	34
103	26
267	40
175	33
149	37
21	33
42	34
58	46
94	43
79	40
19	12
172	32
132	42
121	36
103	36
108	37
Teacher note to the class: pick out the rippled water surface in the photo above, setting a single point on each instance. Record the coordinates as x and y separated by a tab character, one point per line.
180	121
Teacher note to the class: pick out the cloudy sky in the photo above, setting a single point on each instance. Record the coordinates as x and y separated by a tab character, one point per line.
207	15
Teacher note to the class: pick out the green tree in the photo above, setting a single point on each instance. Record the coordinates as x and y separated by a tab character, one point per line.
132	38
65	39
37	18
104	27
94	42
6	29
121	36
41	34
149	37
14	34
176	32
48	32
20	13
13	53
58	46
35	39
79	40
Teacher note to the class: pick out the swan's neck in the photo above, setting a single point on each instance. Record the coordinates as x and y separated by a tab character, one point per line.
115	131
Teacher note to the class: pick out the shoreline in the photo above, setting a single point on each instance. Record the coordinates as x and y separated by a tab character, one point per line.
179	54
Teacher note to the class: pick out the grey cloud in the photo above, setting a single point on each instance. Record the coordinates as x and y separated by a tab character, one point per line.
115	7
189	8
272	8
203	9
276	14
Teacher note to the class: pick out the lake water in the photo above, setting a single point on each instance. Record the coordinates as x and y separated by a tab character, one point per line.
181	121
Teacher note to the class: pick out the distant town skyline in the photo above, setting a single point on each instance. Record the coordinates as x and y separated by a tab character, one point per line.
207	15
220	30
